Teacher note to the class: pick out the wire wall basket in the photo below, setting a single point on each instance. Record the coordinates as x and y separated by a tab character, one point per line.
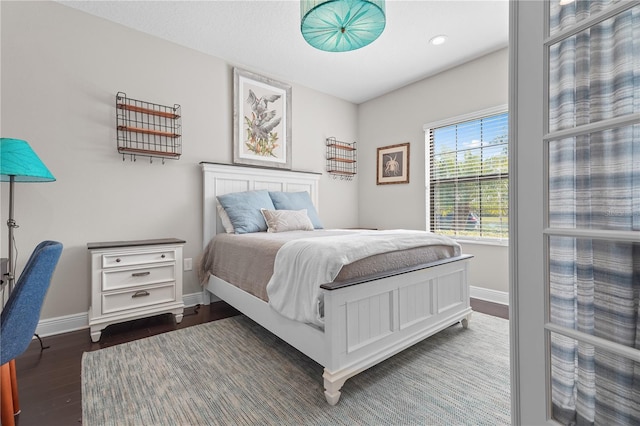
341	159
147	129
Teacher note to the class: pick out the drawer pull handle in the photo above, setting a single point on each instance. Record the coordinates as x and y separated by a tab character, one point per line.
118	260
140	274
140	293
163	256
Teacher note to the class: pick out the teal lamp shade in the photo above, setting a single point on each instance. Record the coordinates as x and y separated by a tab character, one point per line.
17	159
341	25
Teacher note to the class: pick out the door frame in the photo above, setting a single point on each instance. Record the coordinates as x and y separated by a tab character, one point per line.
529	348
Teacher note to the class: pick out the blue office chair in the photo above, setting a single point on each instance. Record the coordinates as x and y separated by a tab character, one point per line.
20	317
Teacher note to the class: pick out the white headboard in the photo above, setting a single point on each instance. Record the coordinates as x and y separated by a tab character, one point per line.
219	179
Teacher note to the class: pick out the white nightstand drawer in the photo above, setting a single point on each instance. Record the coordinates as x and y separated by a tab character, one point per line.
134	279
121	301
130	259
115	279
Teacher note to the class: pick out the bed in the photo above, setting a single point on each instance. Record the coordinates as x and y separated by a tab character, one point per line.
365	319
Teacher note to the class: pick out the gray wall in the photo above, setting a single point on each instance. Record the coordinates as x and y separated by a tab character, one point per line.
399	117
60	72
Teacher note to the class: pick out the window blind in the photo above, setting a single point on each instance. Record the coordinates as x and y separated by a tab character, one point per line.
468	178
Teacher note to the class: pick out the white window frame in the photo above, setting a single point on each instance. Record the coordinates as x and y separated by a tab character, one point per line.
476	115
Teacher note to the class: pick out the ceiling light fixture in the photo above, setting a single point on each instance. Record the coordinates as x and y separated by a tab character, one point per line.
438	40
341	25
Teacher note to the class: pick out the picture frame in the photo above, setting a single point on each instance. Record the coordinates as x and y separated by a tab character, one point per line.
261	121
393	164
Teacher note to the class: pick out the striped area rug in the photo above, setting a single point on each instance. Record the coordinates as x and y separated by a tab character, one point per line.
233	372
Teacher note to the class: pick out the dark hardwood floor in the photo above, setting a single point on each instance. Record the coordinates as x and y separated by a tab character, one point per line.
49	380
490	308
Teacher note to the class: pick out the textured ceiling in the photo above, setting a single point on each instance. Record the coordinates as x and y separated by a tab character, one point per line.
264	36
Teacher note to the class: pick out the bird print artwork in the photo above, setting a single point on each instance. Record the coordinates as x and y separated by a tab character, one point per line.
261	138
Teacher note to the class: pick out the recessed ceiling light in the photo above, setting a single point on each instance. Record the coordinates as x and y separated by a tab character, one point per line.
565	2
437	40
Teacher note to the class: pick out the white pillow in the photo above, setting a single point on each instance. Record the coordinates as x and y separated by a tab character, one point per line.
224	218
287	220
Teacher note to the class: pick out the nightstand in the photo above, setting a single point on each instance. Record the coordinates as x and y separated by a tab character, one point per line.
134	279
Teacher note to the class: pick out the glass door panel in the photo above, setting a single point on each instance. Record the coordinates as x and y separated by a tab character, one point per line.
594	180
593	75
566	14
591	378
593	287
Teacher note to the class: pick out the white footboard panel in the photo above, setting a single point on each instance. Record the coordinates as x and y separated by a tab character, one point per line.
372	321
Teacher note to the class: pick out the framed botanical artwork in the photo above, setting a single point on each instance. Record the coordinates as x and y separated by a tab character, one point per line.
261	121
393	164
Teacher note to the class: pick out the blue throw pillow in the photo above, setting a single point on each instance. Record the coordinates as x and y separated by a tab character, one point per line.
296	201
243	209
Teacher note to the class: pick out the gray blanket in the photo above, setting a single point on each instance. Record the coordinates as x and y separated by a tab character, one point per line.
246	260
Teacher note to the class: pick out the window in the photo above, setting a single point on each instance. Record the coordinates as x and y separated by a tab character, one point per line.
468	180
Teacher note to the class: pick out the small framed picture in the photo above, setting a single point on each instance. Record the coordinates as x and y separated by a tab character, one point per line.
393	164
261	121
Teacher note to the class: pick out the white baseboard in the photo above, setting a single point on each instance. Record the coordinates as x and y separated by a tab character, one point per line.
192	299
64	324
495	296
80	321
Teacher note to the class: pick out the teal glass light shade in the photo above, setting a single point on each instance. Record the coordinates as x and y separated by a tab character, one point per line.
17	159
341	25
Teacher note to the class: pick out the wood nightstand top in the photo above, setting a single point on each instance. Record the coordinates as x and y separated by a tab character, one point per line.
134	243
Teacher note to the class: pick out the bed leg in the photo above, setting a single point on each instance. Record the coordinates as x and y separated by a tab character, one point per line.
332	386
465	321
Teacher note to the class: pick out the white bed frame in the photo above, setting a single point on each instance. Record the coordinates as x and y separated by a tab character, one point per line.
365	322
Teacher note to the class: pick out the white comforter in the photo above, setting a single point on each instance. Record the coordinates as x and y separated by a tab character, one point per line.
301	266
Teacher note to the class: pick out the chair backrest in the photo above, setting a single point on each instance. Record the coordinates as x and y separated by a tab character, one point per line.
21	314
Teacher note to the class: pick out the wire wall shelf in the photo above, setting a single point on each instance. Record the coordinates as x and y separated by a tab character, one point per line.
341	159
147	129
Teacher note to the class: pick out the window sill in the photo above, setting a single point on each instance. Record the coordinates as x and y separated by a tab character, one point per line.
484	242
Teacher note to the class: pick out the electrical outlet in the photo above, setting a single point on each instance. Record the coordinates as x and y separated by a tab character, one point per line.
188	264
